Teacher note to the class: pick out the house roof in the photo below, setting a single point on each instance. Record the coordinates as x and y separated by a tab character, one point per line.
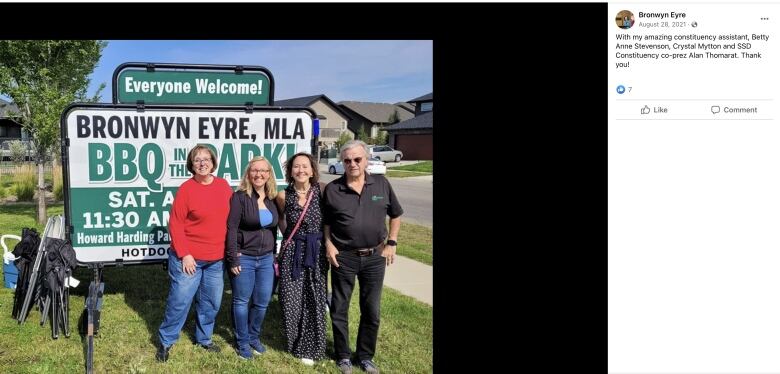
426	97
6	107
298	101
308	100
376	112
423	121
407	106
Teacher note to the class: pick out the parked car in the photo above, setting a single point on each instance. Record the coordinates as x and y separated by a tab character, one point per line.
375	166
385	153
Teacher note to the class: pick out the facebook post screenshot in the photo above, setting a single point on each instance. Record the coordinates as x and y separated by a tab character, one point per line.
693	187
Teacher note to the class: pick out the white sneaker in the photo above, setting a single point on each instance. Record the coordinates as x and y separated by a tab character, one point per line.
307	361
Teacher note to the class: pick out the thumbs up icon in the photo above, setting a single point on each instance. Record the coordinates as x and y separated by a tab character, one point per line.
645	110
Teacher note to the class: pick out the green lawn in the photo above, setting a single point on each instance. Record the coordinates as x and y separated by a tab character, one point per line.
416	242
132	311
7	182
15	216
414	170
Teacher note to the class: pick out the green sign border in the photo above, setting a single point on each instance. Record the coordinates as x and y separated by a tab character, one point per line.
228	73
66	154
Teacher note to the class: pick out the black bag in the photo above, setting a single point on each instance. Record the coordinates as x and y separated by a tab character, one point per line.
28	246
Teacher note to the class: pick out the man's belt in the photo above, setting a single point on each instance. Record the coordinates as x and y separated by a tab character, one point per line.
361	252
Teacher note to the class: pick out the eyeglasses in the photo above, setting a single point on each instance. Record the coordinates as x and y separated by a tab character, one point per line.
256	171
357	160
204	161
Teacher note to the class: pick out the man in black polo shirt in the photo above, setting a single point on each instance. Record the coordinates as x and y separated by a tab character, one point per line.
354	209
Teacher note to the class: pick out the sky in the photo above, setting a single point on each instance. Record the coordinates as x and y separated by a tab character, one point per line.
383	71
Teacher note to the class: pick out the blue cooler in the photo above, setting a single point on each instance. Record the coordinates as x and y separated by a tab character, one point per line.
10	275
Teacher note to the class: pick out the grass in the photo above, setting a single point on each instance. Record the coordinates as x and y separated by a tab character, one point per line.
9	170
25	183
416	242
132	311
57	186
6	180
413	170
14	217
423	166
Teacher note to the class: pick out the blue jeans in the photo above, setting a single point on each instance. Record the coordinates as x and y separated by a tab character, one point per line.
255	284
205	286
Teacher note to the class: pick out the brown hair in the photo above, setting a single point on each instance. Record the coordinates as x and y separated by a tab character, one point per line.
194	151
315	172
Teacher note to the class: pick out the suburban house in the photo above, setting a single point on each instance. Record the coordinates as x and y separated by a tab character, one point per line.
414	137
333	119
373	117
10	129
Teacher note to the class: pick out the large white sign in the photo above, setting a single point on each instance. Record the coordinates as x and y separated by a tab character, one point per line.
124	167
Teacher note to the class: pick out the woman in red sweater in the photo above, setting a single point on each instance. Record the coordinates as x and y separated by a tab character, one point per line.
197	225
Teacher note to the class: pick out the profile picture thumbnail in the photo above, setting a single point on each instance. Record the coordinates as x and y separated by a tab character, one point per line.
625	19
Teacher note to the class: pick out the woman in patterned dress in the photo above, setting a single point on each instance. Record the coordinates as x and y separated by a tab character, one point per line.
303	266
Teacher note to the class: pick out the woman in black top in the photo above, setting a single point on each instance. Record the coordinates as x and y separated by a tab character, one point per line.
251	241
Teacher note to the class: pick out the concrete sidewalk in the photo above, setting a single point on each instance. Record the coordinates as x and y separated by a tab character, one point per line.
411	278
422	178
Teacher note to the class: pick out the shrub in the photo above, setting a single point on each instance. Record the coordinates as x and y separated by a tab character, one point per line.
57	182
25	182
18	150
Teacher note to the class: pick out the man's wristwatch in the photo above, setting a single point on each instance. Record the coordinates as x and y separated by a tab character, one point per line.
392	242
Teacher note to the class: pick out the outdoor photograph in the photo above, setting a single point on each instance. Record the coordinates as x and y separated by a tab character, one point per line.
204	206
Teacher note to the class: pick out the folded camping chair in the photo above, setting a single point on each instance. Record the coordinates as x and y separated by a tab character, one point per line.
54	229
25	251
60	261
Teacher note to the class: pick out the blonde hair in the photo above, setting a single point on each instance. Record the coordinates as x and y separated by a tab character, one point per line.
270	184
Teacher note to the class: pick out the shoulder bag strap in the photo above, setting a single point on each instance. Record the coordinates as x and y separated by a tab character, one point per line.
297	224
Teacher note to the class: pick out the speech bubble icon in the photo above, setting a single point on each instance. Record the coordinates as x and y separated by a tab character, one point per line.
715	109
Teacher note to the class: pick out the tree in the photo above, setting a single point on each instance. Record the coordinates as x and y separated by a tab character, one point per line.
343	139
361	135
380	139
382	136
43	77
394	118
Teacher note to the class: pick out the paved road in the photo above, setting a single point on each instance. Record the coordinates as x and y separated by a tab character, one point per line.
415	194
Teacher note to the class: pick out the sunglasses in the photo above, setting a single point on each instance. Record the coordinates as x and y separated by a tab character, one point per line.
357	160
